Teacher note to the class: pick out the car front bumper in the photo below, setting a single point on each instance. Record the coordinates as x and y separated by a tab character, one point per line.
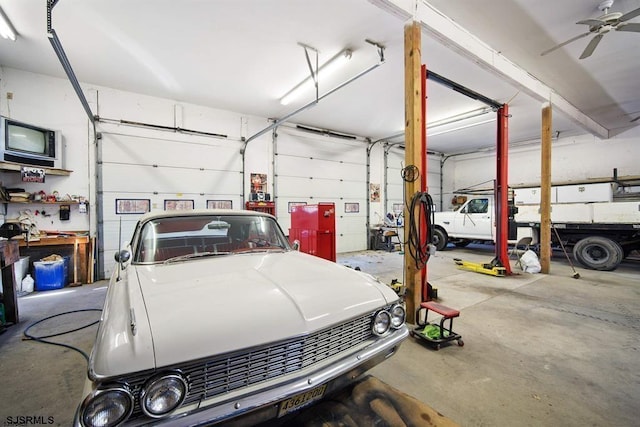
255	407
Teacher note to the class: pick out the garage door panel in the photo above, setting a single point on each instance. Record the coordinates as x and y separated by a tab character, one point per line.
170	180
318	168
186	168
337	149
115	229
395	183
305	167
351	231
351	223
319	189
152	151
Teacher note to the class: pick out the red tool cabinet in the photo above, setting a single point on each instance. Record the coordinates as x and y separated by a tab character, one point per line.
314	226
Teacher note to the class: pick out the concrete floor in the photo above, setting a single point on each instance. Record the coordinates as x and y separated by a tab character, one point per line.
539	349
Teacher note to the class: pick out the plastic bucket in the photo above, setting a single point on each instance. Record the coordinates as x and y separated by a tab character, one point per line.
49	275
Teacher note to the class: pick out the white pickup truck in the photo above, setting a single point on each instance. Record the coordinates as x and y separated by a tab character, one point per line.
601	232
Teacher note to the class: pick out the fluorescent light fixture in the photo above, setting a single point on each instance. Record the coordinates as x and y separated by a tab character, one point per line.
325	70
459	117
470	125
452	119
6	29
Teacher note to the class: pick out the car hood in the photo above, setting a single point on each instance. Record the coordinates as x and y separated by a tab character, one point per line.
210	306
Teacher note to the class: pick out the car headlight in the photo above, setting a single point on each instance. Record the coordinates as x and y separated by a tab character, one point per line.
163	394
398	316
107	407
381	322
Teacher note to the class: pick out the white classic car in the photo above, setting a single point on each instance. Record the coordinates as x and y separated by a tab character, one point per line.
211	316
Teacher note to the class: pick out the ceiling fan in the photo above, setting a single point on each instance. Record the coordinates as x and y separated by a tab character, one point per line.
602	25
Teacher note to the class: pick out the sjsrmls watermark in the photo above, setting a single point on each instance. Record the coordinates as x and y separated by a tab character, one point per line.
28	420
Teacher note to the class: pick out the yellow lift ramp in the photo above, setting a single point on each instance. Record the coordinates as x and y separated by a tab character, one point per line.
491	268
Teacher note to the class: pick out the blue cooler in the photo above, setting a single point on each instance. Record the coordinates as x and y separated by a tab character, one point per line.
49	275
65	274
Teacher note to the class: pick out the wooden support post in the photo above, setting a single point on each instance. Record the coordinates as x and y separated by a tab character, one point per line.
413	155
545	190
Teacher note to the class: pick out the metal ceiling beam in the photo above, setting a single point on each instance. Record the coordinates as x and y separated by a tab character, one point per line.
64	61
452	35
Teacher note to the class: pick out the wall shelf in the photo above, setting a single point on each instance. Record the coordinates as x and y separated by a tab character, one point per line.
16	167
5	203
71	202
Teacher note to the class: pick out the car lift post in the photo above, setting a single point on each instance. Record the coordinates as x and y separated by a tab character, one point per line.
501	189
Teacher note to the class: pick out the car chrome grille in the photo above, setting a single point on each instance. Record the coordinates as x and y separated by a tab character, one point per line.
211	377
219	375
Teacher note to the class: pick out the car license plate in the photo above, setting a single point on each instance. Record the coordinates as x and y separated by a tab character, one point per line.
298	401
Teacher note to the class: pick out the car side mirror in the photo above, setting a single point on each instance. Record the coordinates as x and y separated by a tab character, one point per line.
123	256
296	245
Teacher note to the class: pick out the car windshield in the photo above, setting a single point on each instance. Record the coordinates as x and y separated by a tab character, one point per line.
194	237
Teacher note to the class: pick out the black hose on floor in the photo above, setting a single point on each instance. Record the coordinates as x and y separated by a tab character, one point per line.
42	339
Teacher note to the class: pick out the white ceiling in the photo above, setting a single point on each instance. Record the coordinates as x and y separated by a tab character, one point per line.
244	55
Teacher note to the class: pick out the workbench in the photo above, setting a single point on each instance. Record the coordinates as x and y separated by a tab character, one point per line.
77	248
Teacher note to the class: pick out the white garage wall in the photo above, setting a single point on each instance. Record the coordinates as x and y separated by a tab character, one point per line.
572	159
50	103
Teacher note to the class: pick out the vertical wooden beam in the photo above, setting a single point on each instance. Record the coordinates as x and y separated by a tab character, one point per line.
413	154
545	190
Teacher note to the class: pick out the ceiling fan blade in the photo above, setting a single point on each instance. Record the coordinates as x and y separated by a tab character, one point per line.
632	26
629	15
591	46
565	43
591	22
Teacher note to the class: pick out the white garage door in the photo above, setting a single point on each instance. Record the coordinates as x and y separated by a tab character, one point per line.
139	167
395	162
312	169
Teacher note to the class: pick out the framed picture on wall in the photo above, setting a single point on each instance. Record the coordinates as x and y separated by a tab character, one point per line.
374	192
292	204
351	207
132	206
178	205
219	204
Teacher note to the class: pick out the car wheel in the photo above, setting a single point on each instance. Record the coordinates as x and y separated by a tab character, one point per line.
439	238
598	253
